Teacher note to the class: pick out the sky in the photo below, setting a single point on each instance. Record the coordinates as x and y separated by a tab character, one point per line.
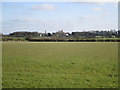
55	16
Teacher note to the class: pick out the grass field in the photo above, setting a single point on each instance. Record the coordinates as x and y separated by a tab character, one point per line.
60	65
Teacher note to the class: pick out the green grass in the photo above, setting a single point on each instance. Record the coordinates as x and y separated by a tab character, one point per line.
14	38
60	65
108	38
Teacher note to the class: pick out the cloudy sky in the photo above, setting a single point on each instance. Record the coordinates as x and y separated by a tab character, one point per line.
54	16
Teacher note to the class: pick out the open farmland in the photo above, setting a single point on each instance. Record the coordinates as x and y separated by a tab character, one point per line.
60	65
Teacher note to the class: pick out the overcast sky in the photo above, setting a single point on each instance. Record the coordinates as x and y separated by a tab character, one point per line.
67	16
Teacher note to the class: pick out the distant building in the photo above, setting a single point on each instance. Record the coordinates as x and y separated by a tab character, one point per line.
59	34
67	34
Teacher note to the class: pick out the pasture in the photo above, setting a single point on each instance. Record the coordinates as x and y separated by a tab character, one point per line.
60	64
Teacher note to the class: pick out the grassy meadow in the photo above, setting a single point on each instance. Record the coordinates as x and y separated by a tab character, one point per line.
60	64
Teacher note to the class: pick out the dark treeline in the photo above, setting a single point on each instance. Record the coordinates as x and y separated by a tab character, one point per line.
60	36
74	40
